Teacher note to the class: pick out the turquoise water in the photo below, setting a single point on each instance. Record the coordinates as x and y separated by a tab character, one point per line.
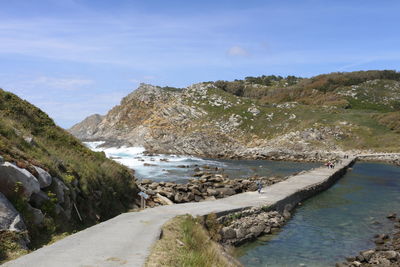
337	223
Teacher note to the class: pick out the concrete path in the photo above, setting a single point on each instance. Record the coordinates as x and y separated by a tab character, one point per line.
126	240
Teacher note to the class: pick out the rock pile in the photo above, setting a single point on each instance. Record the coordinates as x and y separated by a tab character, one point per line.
206	186
386	252
246	225
16	182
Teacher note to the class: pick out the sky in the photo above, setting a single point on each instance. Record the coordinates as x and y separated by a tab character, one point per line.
74	58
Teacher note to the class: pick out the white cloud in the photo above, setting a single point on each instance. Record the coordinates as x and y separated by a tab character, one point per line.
237	51
61	83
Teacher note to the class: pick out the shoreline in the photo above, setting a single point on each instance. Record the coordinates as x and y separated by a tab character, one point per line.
276	154
385	253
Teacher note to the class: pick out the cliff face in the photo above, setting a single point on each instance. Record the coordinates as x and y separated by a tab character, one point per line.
205	120
87	127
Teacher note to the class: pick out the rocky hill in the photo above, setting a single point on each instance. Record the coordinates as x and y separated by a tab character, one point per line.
258	117
50	184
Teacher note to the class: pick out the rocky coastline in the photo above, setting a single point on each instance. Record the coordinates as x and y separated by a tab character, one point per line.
386	253
204	186
244	226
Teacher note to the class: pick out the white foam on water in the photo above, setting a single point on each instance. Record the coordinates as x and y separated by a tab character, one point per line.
165	165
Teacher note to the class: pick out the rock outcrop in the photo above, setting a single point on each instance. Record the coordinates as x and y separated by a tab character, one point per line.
10	219
206	121
87	127
12	176
244	226
386	252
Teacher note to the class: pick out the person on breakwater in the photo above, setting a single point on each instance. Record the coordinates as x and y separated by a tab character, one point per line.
259	186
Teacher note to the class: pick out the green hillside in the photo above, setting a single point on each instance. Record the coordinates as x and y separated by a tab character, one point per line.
99	188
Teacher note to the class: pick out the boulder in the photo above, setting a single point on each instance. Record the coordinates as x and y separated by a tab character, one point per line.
367	254
391	216
226	191
37	215
197	198
257	230
178	198
228	233
241	232
390	255
212	192
44	177
37	199
60	189
164	200
286	214
10	175
10	219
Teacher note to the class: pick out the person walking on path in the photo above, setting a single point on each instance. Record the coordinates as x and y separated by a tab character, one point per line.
259	186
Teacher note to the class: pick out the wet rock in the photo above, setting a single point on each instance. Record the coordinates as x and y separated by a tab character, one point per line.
391	216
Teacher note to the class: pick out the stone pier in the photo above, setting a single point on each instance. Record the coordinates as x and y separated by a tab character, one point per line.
126	240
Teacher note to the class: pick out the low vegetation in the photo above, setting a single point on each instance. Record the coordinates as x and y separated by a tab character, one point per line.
185	242
101	187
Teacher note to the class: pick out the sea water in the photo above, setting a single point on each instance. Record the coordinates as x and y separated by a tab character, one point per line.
178	168
337	223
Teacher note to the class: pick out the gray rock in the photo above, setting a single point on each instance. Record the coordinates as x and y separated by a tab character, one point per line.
44	177
37	215
60	189
367	254
286	214
10	219
178	198
228	233
1	160
241	232
212	192
257	230
10	175
390	255
37	199
226	191
197	198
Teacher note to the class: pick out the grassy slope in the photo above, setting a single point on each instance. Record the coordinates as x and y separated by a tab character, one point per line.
369	113
185	242
103	187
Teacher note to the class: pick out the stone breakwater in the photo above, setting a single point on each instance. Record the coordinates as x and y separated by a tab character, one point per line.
207	186
386	252
240	227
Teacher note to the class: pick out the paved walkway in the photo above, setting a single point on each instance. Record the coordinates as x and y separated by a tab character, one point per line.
126	240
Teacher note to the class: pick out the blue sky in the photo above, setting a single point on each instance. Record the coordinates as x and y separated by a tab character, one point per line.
73	58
